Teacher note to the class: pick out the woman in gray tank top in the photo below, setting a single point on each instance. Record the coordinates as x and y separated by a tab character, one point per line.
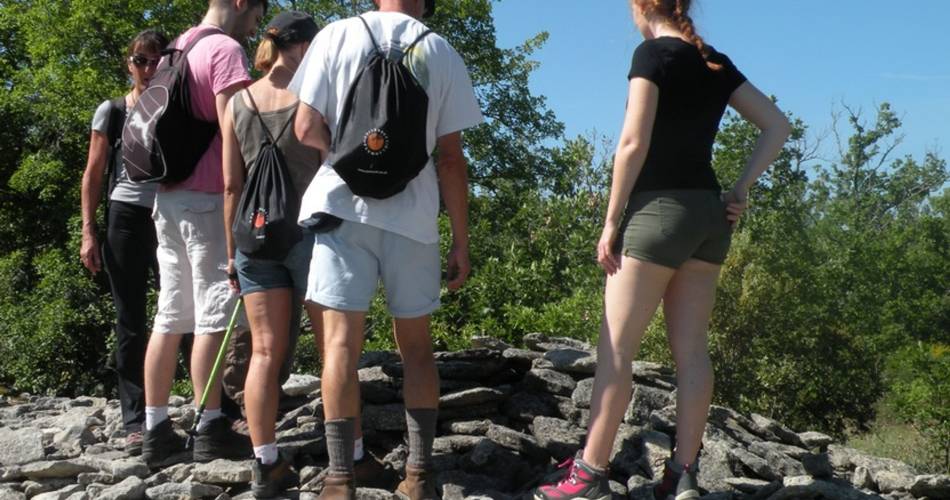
272	289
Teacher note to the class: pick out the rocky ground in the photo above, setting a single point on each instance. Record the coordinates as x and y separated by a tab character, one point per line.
507	417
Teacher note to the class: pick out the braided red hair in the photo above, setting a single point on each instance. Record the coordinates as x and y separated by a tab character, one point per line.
676	12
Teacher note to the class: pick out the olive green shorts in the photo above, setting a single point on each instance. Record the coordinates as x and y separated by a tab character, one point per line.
670	227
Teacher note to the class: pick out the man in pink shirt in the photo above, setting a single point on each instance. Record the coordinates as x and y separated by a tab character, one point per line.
195	295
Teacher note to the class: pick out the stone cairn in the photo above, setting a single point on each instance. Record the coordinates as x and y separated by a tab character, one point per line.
507	417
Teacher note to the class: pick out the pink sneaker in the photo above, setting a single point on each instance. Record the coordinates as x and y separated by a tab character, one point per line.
580	482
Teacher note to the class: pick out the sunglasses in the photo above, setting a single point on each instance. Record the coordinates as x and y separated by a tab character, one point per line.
141	61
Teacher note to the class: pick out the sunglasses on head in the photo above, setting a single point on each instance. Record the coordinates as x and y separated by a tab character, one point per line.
141	61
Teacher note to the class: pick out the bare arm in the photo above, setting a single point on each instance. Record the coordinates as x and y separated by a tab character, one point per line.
642	101
754	106
92	180
311	129
453	184
233	170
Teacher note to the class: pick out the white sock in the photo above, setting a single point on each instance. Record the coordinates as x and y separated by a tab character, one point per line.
207	417
358	450
266	453
155	415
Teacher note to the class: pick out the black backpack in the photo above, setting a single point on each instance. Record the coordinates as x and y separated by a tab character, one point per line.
114	135
162	140
265	226
380	141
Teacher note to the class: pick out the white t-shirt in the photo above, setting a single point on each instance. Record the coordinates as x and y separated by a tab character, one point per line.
322	81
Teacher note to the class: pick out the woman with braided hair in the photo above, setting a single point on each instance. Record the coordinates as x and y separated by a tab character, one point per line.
666	234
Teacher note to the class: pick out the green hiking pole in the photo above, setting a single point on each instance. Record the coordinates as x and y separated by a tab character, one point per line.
193	432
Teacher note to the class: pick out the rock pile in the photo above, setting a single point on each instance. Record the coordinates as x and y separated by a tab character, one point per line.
507	417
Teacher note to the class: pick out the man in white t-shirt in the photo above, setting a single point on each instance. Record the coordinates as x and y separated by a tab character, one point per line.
393	239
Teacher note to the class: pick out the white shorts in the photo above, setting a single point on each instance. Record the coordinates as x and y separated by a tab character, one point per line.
192	262
349	262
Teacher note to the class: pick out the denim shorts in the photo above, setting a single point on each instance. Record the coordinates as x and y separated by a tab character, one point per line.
350	261
669	227
258	275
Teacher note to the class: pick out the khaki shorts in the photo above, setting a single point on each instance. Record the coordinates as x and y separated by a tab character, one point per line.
670	227
192	262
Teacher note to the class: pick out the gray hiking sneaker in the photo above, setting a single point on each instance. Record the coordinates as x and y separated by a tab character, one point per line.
219	440
272	480
160	443
679	483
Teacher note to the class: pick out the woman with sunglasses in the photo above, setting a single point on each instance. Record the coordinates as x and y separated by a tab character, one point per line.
666	234
128	252
272	289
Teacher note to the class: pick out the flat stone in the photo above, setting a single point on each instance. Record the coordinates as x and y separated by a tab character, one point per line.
664	420
223	472
376	386
758	465
745	484
523	355
656	447
573	361
182	491
627	451
812	439
176	401
20	446
57	469
470	397
798	487
525	406
771	430
11	473
522	443
484	410
582	393
544	343
300	384
470	427
33	488
779	462
550	381
131	488
892	480
931	485
559	437
455	444
87	478
60	494
716	464
490	343
373	494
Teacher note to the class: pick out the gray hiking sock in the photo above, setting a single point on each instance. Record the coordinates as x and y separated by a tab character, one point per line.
340	439
420	423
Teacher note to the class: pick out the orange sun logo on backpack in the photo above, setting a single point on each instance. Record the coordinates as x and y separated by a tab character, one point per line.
260	220
375	142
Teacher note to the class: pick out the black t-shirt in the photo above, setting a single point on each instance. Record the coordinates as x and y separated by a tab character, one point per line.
693	98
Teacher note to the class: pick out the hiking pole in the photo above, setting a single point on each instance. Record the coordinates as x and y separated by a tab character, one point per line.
193	432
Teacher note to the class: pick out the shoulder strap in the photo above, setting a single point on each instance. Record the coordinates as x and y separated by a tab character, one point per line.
370	33
273	140
116	120
194	41
413	44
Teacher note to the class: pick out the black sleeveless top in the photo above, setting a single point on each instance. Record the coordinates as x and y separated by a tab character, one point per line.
693	98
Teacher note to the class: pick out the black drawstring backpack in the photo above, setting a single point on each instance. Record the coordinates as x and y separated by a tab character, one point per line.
380	141
265	226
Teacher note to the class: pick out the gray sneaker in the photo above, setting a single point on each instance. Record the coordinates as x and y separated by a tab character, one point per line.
679	483
160	443
219	440
271	480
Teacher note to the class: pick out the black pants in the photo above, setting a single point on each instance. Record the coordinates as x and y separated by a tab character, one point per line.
129	254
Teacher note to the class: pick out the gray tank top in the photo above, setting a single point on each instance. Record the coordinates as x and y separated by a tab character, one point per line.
302	161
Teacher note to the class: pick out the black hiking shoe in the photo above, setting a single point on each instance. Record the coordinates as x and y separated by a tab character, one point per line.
272	480
219	440
679	483
161	443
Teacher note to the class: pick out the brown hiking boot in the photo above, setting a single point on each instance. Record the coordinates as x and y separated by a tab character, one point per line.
418	485
338	487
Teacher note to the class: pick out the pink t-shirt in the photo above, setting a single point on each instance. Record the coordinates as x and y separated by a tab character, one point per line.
216	63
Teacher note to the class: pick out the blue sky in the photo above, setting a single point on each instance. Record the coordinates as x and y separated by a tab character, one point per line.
812	54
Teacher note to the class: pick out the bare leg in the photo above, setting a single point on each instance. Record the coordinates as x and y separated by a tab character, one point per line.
161	360
203	352
420	385
342	344
630	301
269	315
687	305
